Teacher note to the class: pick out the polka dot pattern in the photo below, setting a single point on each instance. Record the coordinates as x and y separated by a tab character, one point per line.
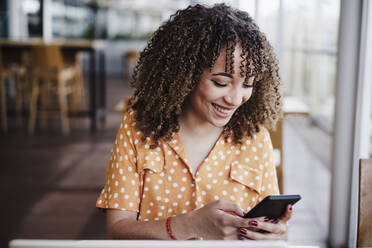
159	183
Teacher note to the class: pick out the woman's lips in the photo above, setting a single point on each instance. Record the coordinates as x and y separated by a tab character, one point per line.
221	111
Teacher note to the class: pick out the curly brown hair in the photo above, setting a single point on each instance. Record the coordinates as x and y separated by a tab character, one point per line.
171	65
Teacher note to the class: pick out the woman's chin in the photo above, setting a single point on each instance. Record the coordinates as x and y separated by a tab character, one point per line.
220	123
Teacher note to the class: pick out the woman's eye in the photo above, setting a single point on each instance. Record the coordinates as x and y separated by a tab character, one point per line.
248	85
218	83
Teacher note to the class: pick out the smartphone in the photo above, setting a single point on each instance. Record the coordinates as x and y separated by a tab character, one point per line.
273	206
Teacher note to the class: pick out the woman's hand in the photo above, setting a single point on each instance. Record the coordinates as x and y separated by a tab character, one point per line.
264	229
214	221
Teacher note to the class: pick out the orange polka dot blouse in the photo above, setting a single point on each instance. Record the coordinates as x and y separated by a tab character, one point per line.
158	183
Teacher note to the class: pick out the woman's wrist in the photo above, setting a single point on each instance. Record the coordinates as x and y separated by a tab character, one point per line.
183	226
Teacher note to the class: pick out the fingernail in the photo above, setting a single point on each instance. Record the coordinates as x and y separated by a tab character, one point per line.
244	213
266	219
290	208
241	238
243	231
253	223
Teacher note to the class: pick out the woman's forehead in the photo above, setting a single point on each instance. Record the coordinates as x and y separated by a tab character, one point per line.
237	59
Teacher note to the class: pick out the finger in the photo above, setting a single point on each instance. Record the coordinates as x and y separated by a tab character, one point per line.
241	237
260	219
247	222
274	221
249	234
254	229
233	236
279	228
264	219
287	215
227	206
235	221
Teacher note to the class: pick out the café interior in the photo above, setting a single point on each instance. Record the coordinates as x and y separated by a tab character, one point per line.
65	68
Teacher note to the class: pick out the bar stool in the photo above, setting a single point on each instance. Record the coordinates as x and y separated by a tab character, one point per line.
17	73
50	78
73	58
4	74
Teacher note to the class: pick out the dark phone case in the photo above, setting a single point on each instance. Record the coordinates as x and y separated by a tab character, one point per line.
273	206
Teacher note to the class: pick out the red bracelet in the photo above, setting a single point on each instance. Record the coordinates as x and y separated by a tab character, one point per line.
169	229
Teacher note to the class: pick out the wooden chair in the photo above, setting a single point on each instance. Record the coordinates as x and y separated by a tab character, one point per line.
365	203
4	74
291	106
277	141
16	72
50	78
73	58
130	60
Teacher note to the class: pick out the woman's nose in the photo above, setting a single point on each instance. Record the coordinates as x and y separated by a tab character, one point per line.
234	98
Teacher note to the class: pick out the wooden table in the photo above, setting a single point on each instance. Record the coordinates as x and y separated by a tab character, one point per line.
97	92
28	243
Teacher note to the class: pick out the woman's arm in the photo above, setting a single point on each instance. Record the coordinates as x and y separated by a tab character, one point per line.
210	222
124	225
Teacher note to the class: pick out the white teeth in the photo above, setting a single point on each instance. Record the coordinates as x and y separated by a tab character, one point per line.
224	111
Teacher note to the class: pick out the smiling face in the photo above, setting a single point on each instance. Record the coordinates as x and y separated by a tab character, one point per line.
220	94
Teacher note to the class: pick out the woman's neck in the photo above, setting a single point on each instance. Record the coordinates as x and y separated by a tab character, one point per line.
193	126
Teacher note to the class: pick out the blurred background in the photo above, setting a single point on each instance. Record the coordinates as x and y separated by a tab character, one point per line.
65	67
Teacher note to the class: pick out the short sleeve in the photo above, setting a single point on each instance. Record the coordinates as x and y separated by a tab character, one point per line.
269	185
122	186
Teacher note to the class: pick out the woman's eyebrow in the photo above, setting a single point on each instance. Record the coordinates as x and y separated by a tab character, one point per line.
223	74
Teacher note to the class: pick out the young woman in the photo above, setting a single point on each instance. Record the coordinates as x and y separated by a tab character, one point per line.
193	151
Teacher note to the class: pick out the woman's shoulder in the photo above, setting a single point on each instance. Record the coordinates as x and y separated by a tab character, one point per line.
128	119
130	126
129	115
261	136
